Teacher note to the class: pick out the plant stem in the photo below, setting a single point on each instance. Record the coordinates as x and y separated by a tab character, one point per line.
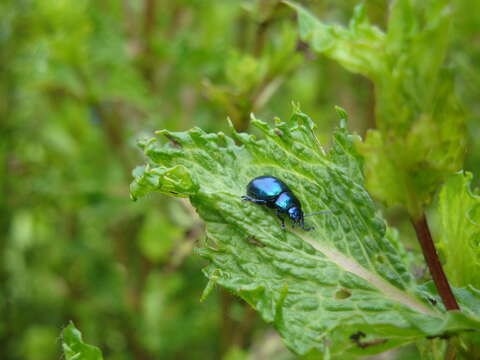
149	9
451	352
227	326
431	257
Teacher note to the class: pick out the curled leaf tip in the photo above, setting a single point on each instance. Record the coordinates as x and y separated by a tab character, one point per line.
296	107
341	112
208	289
143	142
230	125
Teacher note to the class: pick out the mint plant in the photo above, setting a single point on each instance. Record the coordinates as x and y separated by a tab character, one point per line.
343	289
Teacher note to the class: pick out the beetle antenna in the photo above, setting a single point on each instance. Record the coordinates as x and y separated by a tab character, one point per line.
317	213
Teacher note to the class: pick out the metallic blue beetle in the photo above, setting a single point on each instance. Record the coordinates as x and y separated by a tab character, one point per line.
275	194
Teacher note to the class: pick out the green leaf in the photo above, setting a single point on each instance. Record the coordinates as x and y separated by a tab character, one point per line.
420	137
75	349
318	288
456	215
358	47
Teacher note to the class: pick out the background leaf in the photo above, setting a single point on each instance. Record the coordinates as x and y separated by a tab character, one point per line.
456	214
75	349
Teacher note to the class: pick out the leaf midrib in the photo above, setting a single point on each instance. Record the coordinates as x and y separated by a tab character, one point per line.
387	289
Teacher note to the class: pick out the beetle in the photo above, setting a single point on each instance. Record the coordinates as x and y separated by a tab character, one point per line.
275	194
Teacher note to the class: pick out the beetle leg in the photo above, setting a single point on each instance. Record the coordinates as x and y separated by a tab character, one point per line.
256	201
307	228
302	224
279	215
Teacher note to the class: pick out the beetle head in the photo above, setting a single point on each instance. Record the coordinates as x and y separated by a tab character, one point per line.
296	214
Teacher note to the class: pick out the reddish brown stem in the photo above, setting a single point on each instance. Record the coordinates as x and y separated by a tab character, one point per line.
148	28
436	269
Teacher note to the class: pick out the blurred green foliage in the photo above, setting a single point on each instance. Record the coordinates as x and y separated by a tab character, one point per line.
80	81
